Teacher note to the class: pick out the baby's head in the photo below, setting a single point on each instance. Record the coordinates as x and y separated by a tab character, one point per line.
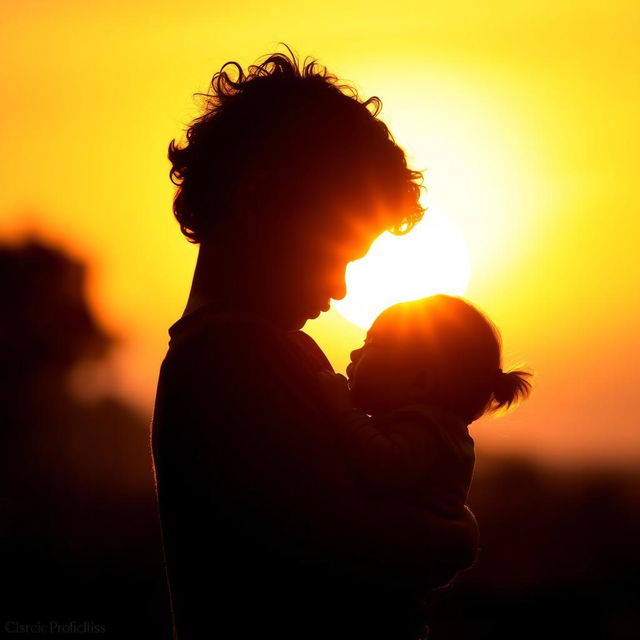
439	350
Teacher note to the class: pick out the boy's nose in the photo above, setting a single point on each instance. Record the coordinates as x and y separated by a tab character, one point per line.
339	287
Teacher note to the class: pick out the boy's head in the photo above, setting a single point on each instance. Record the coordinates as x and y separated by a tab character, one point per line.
286	177
440	350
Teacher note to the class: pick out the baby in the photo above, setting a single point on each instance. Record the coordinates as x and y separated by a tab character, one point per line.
428	369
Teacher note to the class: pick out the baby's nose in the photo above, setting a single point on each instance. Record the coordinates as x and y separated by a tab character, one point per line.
355	354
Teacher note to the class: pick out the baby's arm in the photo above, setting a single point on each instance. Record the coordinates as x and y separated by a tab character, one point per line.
391	458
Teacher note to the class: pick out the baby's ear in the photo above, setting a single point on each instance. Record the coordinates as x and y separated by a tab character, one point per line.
423	382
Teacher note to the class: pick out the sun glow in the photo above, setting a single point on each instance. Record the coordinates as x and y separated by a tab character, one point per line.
432	258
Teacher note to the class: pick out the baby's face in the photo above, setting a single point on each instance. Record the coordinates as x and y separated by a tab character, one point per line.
381	377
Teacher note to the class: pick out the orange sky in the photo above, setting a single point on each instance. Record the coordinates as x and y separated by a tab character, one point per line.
524	115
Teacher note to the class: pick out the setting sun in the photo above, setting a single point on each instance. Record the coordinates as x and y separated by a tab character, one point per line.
432	258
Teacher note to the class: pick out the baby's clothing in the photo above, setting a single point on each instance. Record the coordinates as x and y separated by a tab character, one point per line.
417	453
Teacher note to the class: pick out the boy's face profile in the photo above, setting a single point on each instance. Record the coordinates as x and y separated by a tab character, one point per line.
309	269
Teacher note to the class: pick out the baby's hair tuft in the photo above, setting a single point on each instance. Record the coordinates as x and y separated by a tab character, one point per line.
510	388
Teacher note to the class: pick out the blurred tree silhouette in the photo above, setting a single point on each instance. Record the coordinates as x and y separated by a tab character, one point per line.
79	525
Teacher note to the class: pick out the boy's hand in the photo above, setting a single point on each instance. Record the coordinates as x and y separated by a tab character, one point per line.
335	390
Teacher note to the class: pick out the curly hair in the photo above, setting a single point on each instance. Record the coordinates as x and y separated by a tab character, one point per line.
289	139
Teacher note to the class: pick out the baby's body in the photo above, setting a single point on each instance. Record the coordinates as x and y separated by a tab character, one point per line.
416	453
427	370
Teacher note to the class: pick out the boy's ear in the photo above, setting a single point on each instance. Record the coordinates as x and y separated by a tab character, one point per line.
245	198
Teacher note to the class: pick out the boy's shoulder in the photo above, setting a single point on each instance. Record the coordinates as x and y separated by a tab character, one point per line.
236	339
211	320
211	329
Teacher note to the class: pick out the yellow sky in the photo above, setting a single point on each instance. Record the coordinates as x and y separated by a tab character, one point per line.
523	114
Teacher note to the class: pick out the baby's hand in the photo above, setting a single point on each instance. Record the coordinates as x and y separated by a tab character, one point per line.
335	390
